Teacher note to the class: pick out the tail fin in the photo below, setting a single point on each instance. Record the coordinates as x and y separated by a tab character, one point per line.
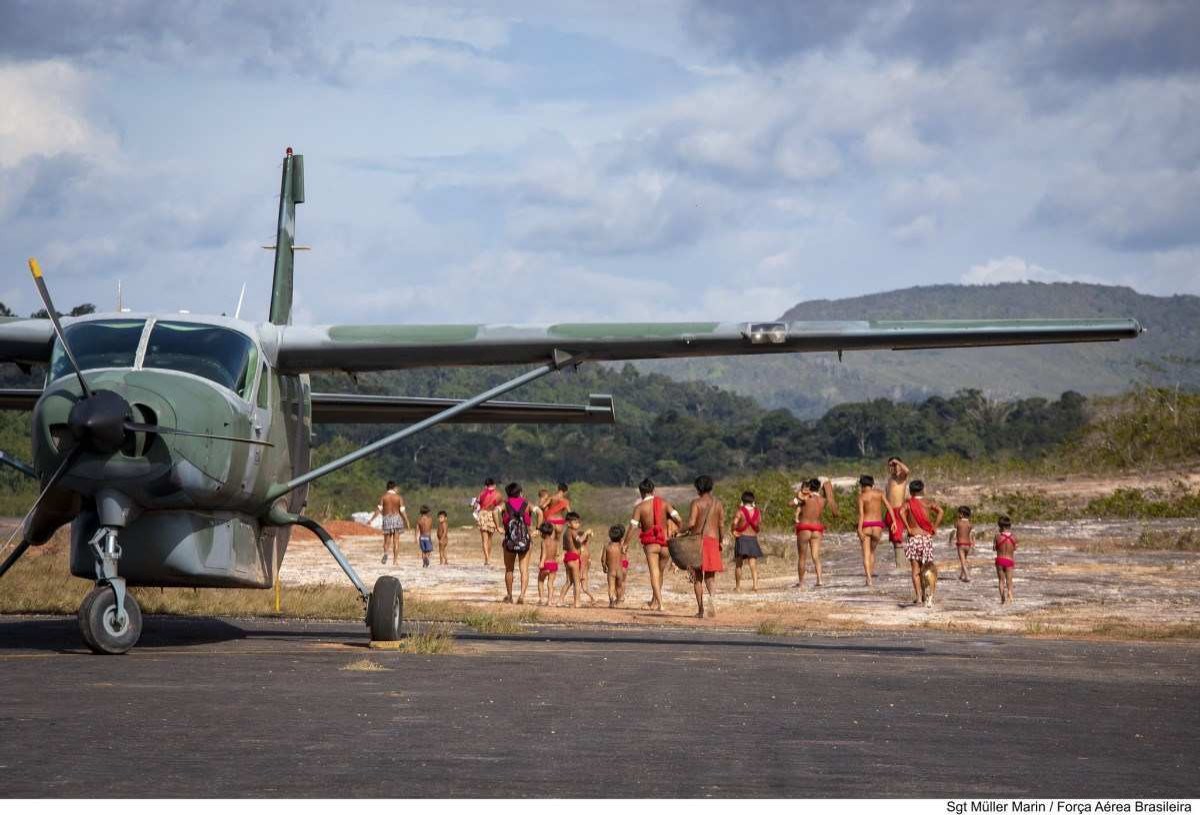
291	192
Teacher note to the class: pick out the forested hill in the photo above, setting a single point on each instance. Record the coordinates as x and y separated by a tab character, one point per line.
811	384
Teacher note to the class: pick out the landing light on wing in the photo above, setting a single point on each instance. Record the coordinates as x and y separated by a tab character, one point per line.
764	333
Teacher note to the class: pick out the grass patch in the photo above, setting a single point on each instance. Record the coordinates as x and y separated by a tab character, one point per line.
1184	540
364	665
487	623
772	628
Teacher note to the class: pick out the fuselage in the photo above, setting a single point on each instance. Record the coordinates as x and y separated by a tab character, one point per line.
190	508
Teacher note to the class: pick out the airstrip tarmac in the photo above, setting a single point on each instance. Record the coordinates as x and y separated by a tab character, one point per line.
272	708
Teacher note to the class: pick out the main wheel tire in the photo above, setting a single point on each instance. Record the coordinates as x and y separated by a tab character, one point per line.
98	621
385	609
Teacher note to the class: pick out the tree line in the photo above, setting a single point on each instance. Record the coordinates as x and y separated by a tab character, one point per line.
672	430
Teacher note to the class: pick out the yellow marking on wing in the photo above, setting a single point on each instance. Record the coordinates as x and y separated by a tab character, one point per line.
34	267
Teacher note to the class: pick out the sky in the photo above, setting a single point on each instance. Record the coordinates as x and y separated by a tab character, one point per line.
568	161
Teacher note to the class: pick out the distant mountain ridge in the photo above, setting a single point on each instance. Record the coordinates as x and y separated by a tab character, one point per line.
809	384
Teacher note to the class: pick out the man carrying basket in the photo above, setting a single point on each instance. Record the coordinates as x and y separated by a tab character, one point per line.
707	520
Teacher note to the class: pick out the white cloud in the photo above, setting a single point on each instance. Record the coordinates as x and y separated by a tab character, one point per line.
43	113
918	230
1013	269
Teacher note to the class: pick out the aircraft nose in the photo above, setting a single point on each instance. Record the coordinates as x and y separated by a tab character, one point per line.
99	421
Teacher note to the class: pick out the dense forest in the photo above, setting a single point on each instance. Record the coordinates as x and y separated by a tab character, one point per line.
672	430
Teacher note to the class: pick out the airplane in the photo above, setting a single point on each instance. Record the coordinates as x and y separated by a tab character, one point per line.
178	446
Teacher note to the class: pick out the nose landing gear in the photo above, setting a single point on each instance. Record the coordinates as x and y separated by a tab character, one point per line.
109	618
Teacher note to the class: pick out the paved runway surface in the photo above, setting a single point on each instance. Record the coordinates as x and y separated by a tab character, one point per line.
235	708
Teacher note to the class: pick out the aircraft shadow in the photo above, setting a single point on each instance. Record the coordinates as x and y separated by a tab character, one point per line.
62	635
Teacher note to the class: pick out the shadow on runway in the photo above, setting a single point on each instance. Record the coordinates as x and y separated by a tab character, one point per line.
750	641
62	634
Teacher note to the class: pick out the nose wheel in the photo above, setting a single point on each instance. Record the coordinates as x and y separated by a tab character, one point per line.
104	628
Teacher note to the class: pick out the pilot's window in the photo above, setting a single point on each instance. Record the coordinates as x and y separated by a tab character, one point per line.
99	344
215	353
264	387
245	386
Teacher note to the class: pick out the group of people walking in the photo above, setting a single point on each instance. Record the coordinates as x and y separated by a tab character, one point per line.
901	510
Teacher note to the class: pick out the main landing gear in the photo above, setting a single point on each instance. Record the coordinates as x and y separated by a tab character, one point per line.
109	618
385	604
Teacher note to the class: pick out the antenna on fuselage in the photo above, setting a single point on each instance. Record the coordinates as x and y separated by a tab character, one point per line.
237	312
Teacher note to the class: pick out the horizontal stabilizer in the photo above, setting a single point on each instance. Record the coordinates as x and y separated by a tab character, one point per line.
353	408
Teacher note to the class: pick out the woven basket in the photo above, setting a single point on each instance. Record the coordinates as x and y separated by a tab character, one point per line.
686	552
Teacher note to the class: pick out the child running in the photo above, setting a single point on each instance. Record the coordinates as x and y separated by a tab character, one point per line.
1006	547
548	558
424	535
443	536
963	541
744	531
918	547
615	564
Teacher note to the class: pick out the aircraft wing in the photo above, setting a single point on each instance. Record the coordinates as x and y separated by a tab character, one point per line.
389	347
19	398
353	408
25	340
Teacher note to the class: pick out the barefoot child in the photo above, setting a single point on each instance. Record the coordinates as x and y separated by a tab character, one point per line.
1006	547
918	547
871	511
962	536
425	535
579	547
443	536
615	565
548	571
571	557
744	531
809	529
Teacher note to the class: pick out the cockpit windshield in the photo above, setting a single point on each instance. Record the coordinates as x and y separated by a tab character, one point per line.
226	357
99	344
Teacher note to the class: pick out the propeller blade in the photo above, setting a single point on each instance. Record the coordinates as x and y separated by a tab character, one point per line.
44	293
14	557
138	427
67	461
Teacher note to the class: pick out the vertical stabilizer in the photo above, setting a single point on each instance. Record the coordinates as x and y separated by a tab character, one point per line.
291	192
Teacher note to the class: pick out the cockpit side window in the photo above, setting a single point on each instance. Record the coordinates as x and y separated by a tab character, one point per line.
264	387
98	344
217	354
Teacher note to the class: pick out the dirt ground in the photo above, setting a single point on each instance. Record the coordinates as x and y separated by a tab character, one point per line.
1071	578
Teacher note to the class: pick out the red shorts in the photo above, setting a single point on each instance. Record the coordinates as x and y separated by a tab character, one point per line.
803	527
964	544
624	564
550	566
1005	562
873	525
557	521
570	557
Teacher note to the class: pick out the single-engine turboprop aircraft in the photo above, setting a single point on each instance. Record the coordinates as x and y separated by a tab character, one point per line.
177	446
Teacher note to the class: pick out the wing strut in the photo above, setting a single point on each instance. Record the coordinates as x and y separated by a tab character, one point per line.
559	360
17	464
